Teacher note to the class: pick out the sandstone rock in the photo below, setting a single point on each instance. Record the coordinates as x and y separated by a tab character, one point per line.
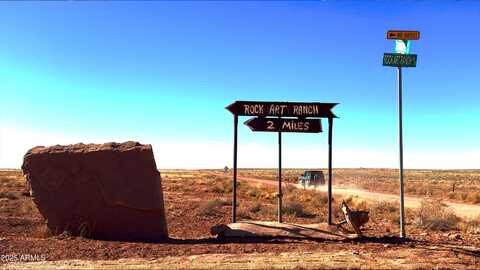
108	191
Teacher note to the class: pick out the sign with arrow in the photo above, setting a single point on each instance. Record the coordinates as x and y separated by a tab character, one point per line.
286	109
284	125
403	35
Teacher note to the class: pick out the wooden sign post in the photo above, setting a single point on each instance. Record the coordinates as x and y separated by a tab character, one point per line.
282	121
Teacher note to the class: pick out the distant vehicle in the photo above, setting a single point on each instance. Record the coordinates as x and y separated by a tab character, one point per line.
312	178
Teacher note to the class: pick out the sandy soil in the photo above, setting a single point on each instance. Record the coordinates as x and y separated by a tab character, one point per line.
390	258
24	242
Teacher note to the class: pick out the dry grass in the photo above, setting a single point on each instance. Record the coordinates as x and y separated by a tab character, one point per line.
473	197
211	207
221	186
8	195
470	226
255	208
295	208
434	215
355	202
244	213
385	211
41	232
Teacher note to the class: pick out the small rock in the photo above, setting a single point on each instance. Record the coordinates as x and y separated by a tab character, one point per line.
424	234
454	236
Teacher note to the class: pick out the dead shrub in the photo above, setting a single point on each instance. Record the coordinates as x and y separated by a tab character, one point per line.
295	208
85	230
310	198
41	231
269	195
322	218
384	207
254	192
290	189
434	215
243	212
211	207
255	208
28	207
385	211
355	202
8	195
65	235
267	210
474	197
221	186
470	225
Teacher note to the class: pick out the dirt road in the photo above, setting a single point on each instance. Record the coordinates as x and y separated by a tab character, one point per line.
461	209
387	259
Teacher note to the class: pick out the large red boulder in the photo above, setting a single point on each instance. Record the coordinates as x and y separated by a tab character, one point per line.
106	191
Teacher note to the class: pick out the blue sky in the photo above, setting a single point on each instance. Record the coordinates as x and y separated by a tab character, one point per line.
162	73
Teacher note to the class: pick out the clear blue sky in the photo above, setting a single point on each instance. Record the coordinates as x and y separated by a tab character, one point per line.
162	73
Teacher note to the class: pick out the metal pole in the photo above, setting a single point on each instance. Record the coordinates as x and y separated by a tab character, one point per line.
234	188
400	142
330	175
280	176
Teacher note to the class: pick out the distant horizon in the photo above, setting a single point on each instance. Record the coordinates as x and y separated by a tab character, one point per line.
291	168
323	168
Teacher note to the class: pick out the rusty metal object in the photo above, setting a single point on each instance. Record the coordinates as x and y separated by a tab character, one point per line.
354	218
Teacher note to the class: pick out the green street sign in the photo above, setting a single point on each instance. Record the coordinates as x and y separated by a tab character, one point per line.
399	60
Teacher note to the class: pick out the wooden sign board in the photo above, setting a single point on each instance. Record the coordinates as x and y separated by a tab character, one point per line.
284	125
403	35
399	60
285	109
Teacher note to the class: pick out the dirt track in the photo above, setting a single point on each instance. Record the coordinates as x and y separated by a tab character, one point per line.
461	209
287	260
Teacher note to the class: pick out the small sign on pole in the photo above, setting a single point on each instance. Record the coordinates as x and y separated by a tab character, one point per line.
403	35
399	60
284	125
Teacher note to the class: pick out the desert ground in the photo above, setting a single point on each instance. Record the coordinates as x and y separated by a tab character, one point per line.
443	224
